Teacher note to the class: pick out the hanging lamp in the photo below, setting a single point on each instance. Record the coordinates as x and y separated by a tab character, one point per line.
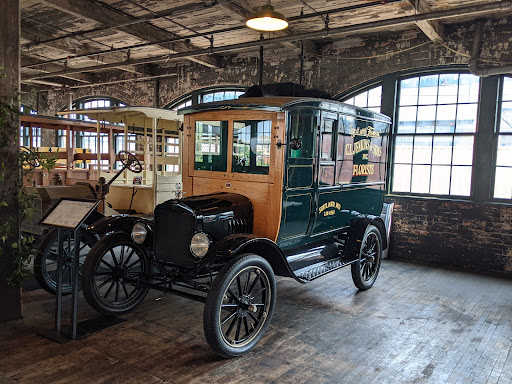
266	19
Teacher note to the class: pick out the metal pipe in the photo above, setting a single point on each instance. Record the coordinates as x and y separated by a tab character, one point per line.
301	71
475	56
123	81
188	37
364	27
261	66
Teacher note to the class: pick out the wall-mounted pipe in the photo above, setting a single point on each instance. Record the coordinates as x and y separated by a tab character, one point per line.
475	56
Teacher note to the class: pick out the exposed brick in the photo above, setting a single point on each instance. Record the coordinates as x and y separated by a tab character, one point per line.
459	234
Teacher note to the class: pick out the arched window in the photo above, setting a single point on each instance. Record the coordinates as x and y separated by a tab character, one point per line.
207	95
441	143
435	133
370	99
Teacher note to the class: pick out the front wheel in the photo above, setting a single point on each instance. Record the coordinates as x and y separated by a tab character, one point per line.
111	275
366	268
240	305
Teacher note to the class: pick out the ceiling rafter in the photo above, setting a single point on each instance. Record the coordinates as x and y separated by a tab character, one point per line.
72	47
29	59
103	14
401	21
433	29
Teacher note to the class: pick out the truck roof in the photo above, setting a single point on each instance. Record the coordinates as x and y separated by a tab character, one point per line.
283	103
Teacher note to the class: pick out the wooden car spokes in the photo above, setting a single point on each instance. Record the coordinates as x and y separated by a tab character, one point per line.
370	250
239	305
130	161
366	268
111	273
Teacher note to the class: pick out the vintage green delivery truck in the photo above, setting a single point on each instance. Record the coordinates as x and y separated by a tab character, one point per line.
281	186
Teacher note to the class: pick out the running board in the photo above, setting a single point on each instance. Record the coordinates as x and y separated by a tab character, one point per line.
319	269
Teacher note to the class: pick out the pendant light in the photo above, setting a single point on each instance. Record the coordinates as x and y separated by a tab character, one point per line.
266	19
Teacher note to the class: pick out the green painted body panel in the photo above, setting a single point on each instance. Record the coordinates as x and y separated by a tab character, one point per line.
342	177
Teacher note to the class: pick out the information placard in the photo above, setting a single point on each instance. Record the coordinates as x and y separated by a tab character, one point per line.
68	213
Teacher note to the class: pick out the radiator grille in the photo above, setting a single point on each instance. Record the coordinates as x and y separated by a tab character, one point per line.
173	231
238	226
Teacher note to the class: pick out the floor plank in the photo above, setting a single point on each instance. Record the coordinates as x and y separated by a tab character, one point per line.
418	324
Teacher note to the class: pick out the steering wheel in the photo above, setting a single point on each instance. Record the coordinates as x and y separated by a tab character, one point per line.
29	157
130	161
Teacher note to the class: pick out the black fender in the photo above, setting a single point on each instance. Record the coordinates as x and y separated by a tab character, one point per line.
234	245
120	224
356	231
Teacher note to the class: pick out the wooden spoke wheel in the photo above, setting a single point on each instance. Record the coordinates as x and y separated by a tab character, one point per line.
366	268
111	275
240	305
45	262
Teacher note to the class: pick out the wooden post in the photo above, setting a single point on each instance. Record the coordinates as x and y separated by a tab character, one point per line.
155	173
98	149
10	297
111	150
69	151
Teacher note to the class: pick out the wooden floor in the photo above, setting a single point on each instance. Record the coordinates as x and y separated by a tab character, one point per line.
416	325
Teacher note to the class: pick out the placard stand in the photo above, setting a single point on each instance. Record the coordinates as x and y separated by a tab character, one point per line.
68	215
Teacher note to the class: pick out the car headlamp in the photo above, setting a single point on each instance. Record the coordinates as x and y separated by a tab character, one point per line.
199	244
139	232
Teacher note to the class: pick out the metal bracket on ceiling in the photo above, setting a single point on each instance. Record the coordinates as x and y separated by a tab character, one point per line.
211	43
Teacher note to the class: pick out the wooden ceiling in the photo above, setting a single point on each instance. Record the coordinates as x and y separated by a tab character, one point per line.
68	43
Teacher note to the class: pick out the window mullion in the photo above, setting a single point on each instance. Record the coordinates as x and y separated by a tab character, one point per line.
484	139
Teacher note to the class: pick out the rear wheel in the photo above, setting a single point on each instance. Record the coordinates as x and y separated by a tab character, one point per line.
366	268
240	305
111	275
45	262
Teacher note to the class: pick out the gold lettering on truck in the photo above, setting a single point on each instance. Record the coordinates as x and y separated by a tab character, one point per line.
326	208
363	169
363	145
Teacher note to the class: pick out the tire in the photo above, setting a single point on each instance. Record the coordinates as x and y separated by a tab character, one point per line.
111	273
45	261
239	303
366	268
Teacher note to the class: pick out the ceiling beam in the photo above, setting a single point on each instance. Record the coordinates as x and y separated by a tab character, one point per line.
103	14
70	47
27	59
433	29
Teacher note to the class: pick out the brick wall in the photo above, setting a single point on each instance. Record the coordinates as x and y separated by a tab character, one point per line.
452	233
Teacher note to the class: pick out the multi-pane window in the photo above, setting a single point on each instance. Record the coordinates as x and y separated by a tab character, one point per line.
211	145
435	134
251	146
26	135
370	99
172	148
184	104
119	145
219	96
503	175
25	131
